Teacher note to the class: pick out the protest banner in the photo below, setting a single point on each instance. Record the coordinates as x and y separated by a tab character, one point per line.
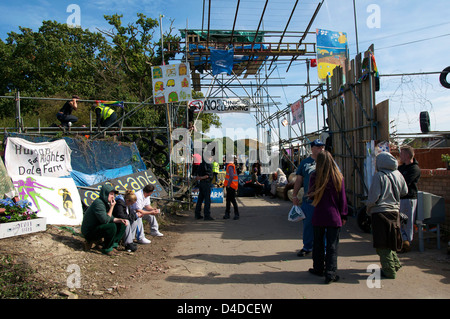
56	199
50	159
134	182
221	105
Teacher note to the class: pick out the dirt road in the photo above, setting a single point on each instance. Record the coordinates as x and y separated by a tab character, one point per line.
255	257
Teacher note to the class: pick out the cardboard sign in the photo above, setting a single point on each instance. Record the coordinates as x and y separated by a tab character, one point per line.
134	181
56	199
171	83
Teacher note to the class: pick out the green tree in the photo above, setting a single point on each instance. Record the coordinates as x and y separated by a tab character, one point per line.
58	61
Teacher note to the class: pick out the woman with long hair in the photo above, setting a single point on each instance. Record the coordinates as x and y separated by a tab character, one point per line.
327	192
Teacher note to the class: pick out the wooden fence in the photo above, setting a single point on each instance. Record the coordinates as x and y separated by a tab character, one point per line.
354	120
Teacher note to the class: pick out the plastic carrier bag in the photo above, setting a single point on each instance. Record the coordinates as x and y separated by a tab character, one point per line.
296	214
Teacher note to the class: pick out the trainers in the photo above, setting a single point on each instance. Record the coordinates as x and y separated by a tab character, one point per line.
303	253
144	241
131	247
156	233
208	218
236	217
226	216
331	279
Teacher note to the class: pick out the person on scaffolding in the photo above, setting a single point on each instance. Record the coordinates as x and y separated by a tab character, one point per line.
65	113
106	116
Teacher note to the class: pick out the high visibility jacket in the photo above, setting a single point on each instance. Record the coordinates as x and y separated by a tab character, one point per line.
215	167
105	111
235	182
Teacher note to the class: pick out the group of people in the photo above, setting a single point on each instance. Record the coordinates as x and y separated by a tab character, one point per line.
114	218
393	190
204	175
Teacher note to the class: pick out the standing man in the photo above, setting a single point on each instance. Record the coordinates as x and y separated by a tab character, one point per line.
144	210
204	176
65	113
231	183
408	203
304	171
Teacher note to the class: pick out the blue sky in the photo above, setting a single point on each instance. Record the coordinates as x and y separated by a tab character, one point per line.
409	36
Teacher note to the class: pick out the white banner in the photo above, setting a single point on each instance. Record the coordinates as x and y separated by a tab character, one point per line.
24	158
221	105
57	199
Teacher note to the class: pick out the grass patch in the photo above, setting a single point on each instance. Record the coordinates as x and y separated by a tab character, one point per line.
16	281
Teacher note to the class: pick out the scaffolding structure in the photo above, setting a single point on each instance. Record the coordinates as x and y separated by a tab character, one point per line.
257	52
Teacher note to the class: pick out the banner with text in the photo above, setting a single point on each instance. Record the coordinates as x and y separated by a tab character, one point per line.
50	159
221	105
134	181
57	199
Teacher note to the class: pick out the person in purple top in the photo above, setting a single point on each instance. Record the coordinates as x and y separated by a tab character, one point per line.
327	192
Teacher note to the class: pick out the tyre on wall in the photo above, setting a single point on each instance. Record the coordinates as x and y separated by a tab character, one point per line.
160	158
424	122
443	77
159	141
144	145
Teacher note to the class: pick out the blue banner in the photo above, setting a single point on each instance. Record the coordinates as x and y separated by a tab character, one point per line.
222	61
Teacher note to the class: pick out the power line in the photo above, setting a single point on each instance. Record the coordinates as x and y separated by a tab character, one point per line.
416	41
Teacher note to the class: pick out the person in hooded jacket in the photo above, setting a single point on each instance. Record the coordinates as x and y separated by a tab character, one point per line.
383	204
125	209
98	222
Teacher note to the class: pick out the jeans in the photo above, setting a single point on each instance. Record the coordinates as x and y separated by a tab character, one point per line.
109	121
408	207
204	194
325	260
308	233
65	119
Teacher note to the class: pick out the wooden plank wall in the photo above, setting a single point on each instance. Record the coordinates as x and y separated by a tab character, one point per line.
352	122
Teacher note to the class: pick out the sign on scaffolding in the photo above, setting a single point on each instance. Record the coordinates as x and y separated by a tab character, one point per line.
221	105
297	112
332	51
171	83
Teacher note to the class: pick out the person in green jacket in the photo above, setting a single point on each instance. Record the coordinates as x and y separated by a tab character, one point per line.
98	222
